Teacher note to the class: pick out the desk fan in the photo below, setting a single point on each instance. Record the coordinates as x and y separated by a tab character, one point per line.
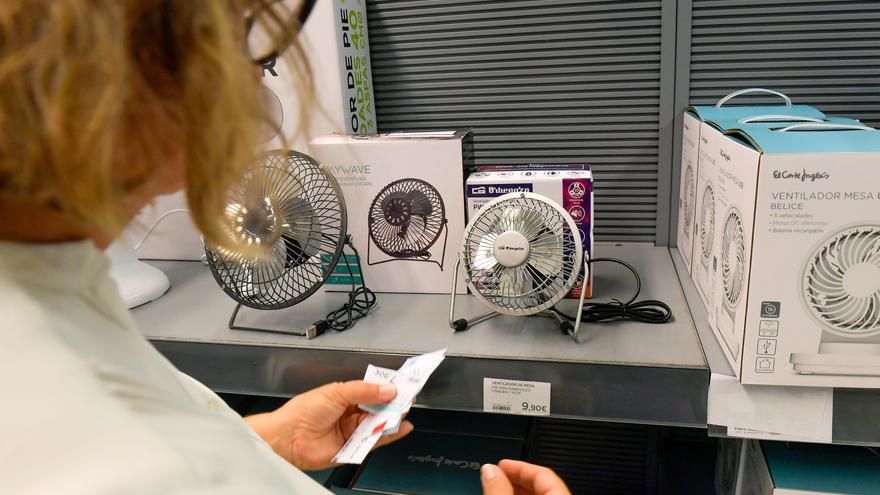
733	270
840	288
294	210
521	255
405	220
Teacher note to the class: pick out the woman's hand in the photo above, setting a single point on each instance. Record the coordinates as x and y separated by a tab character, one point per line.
521	478
311	428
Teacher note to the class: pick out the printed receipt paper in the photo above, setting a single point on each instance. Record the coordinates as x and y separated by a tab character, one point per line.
385	419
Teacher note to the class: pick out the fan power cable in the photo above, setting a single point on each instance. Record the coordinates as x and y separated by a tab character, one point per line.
645	311
361	301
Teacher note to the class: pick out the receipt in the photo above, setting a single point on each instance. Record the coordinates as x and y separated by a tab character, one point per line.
385	419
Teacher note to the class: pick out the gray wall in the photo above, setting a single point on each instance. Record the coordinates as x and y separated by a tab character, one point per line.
605	82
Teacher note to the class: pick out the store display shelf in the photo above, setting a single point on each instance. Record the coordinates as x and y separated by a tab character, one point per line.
621	371
853	411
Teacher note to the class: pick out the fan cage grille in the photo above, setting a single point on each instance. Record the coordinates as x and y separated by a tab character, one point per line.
550	269
688	206
707	223
733	258
293	208
824	290
406	218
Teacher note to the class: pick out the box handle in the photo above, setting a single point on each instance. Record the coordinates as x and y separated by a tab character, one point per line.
733	95
825	127
777	118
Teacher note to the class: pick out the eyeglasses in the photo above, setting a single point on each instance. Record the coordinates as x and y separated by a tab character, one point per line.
271	29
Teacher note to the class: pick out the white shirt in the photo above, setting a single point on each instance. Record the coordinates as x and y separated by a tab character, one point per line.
90	407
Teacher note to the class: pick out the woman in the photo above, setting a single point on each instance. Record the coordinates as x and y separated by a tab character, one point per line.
107	104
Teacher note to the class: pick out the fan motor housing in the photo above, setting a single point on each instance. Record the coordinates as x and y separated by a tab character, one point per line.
511	248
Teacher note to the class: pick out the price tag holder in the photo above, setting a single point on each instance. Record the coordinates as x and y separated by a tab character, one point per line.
516	397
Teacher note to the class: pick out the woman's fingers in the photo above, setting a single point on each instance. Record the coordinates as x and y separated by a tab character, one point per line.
494	481
534	479
360	392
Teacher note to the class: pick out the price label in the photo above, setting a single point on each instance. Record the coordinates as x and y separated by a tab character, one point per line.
516	397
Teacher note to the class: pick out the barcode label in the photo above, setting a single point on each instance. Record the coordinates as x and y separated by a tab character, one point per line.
500	407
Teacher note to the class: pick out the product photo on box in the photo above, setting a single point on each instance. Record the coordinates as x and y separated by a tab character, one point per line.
406	202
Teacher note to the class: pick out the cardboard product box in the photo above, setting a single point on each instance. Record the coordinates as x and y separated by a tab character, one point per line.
405	204
812	279
336	40
730	193
696	233
434	464
570	185
782	468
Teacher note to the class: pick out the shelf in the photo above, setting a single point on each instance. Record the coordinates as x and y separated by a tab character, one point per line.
853	411
621	371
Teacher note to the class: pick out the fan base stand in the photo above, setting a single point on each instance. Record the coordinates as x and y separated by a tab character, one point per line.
311	331
841	359
463	324
426	253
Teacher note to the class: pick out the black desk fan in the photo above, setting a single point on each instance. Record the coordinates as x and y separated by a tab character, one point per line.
294	209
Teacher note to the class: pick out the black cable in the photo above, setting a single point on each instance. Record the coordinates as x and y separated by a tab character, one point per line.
360	299
647	311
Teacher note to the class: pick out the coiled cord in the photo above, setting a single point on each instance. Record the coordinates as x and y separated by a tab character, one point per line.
647	311
360	300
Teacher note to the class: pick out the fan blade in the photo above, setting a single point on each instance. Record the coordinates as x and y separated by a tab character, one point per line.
484	258
513	282
546	252
419	203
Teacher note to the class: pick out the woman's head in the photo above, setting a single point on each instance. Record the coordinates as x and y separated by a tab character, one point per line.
108	103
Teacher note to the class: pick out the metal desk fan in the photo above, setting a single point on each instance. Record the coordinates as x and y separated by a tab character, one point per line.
521	255
405	221
292	208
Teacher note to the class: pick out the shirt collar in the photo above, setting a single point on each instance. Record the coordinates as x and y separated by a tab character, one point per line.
63	266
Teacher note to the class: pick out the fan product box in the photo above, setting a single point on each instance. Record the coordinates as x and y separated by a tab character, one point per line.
726	226
804	288
434	464
336	40
405	206
783	468
570	185
697	210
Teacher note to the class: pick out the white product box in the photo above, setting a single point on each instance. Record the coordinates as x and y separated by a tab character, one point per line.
569	185
335	38
405	203
788	468
697	224
803	289
336	41
687	193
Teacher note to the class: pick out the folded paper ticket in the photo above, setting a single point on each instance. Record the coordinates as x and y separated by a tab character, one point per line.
385	419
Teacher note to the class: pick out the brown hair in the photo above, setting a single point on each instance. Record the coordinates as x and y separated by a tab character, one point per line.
97	93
